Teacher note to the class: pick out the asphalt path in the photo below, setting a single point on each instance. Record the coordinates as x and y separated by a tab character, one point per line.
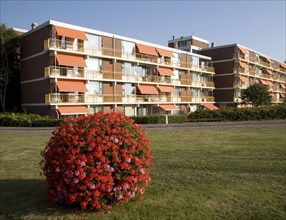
179	126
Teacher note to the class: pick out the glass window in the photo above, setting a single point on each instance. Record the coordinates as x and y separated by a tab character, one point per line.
93	43
93	64
127	69
141	71
176	74
127	89
195	60
128	47
94	87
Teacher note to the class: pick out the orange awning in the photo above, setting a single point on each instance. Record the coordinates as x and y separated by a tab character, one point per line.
67	32
148	89
168	107
243	64
268	59
243	50
273	95
165	71
283	65
243	78
165	53
72	110
210	106
282	95
283	85
70	60
269	71
147	50
270	83
264	82
167	89
71	86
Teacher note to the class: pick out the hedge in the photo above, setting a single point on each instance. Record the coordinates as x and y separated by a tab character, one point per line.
241	114
225	114
27	120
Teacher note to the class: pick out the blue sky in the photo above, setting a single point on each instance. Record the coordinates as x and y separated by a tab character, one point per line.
259	25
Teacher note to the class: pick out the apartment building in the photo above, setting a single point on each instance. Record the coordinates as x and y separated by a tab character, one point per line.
236	68
72	70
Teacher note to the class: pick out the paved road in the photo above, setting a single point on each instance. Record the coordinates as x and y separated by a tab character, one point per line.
191	125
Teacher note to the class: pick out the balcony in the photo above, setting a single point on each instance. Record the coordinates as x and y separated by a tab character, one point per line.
240	85
265	76
64	71
57	71
58	98
264	63
64	98
79	48
252	72
277	100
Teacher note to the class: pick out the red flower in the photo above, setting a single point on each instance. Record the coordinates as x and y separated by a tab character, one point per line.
90	161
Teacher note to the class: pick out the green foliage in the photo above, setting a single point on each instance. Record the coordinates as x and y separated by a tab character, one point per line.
257	95
159	119
10	87
27	120
242	114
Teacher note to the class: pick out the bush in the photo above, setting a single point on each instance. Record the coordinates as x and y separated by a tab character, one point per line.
97	161
27	120
242	114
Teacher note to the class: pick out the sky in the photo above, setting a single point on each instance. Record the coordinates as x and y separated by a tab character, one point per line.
258	25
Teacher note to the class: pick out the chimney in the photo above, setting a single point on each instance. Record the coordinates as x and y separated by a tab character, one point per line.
34	25
212	44
173	37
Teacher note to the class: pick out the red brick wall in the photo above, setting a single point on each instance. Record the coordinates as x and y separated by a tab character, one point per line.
219	53
34	67
224	81
199	44
225	95
34	92
34	43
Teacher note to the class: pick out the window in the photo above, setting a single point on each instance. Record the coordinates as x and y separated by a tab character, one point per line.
94	64
176	74
195	61
141	71
128	48
93	43
127	89
63	42
182	43
94	88
127	69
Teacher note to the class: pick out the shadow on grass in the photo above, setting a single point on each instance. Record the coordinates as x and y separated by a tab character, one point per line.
21	197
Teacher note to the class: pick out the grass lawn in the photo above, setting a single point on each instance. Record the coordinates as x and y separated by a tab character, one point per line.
199	174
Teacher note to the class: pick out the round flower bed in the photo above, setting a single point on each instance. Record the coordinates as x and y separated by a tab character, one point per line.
97	161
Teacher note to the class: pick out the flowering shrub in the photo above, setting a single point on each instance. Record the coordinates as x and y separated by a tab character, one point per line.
97	161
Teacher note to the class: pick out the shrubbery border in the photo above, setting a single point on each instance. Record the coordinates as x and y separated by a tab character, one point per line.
275	112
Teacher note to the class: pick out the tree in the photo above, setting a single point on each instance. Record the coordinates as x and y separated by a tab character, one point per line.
257	95
10	96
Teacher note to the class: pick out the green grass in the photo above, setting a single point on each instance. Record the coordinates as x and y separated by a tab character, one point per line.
199	174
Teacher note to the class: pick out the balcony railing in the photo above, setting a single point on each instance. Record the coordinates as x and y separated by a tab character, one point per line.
57	71
79	47
55	98
280	100
240	85
64	71
265	76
